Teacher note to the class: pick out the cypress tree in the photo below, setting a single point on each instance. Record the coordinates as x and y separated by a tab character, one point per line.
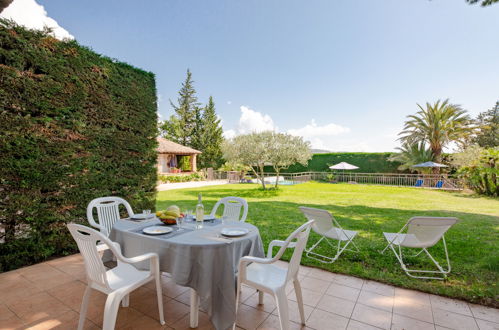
181	125
212	137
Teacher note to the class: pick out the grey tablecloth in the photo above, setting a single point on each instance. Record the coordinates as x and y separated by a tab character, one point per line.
198	259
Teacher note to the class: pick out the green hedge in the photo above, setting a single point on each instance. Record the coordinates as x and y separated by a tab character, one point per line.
75	125
368	162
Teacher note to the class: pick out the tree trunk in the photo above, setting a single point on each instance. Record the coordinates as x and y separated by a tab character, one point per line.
262	173
277	171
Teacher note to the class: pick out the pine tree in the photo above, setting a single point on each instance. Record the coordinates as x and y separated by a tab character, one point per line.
181	125
212	137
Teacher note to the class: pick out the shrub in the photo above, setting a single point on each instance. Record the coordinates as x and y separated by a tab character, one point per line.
185	163
181	178
483	174
75	125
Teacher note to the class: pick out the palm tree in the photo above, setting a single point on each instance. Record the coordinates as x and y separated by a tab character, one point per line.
437	125
412	154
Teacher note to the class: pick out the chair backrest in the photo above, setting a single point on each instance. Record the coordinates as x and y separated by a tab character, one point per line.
429	230
108	212
86	238
232	208
301	235
419	183
324	221
439	184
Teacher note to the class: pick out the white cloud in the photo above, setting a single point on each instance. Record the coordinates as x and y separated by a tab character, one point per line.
33	16
254	121
229	102
229	134
312	130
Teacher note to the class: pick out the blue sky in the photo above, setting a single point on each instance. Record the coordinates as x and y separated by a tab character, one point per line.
343	74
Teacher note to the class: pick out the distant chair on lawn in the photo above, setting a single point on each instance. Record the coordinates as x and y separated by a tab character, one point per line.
422	233
419	183
440	184
327	226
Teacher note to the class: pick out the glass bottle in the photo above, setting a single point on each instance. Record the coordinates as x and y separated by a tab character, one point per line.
199	213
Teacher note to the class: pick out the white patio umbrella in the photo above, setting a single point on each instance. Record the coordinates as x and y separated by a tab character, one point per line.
343	166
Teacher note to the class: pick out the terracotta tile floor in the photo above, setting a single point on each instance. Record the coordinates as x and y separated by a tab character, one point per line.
48	296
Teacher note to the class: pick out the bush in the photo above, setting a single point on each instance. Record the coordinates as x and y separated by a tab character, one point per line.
181	178
75	125
185	163
483	174
368	162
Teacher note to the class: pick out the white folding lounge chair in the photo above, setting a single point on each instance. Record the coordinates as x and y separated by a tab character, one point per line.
327	226
263	275
232	208
117	282
422	233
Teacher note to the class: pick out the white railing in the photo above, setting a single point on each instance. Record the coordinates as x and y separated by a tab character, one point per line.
437	181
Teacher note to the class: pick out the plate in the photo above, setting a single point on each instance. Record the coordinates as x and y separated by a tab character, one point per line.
207	217
234	231
157	230
141	216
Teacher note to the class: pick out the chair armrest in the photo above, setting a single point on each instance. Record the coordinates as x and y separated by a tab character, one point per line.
138	258
280	243
248	259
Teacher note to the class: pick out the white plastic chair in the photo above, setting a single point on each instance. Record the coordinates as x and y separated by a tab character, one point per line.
108	212
327	226
117	282
232	208
422	233
261	274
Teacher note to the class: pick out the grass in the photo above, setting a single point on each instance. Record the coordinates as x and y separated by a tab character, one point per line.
473	243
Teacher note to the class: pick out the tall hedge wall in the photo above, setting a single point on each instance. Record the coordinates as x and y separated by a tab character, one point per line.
368	162
75	125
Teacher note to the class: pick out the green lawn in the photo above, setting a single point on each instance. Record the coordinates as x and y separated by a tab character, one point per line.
473	243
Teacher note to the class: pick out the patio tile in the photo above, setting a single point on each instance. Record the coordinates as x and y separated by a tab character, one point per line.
5	312
172	309
72	265
487	325
250	318
356	325
372	316
143	322
310	298
336	305
305	270
404	295
379	288
294	312
485	313
204	323
400	322
96	304
322	320
71	294
322	274
68	320
272	323
36	307
11	323
14	286
44	276
268	302
453	320
343	291
412	309
350	281
246	292
451	305
376	300
314	284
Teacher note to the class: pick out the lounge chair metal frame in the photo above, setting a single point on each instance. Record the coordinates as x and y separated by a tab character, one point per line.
398	240
324	216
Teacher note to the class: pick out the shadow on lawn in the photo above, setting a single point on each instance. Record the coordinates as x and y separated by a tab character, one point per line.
472	243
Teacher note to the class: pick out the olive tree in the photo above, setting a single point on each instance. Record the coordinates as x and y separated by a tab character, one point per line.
257	150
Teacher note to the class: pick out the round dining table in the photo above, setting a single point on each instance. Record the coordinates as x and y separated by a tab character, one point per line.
199	258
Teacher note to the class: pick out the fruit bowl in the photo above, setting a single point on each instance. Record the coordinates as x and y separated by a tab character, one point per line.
169	221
